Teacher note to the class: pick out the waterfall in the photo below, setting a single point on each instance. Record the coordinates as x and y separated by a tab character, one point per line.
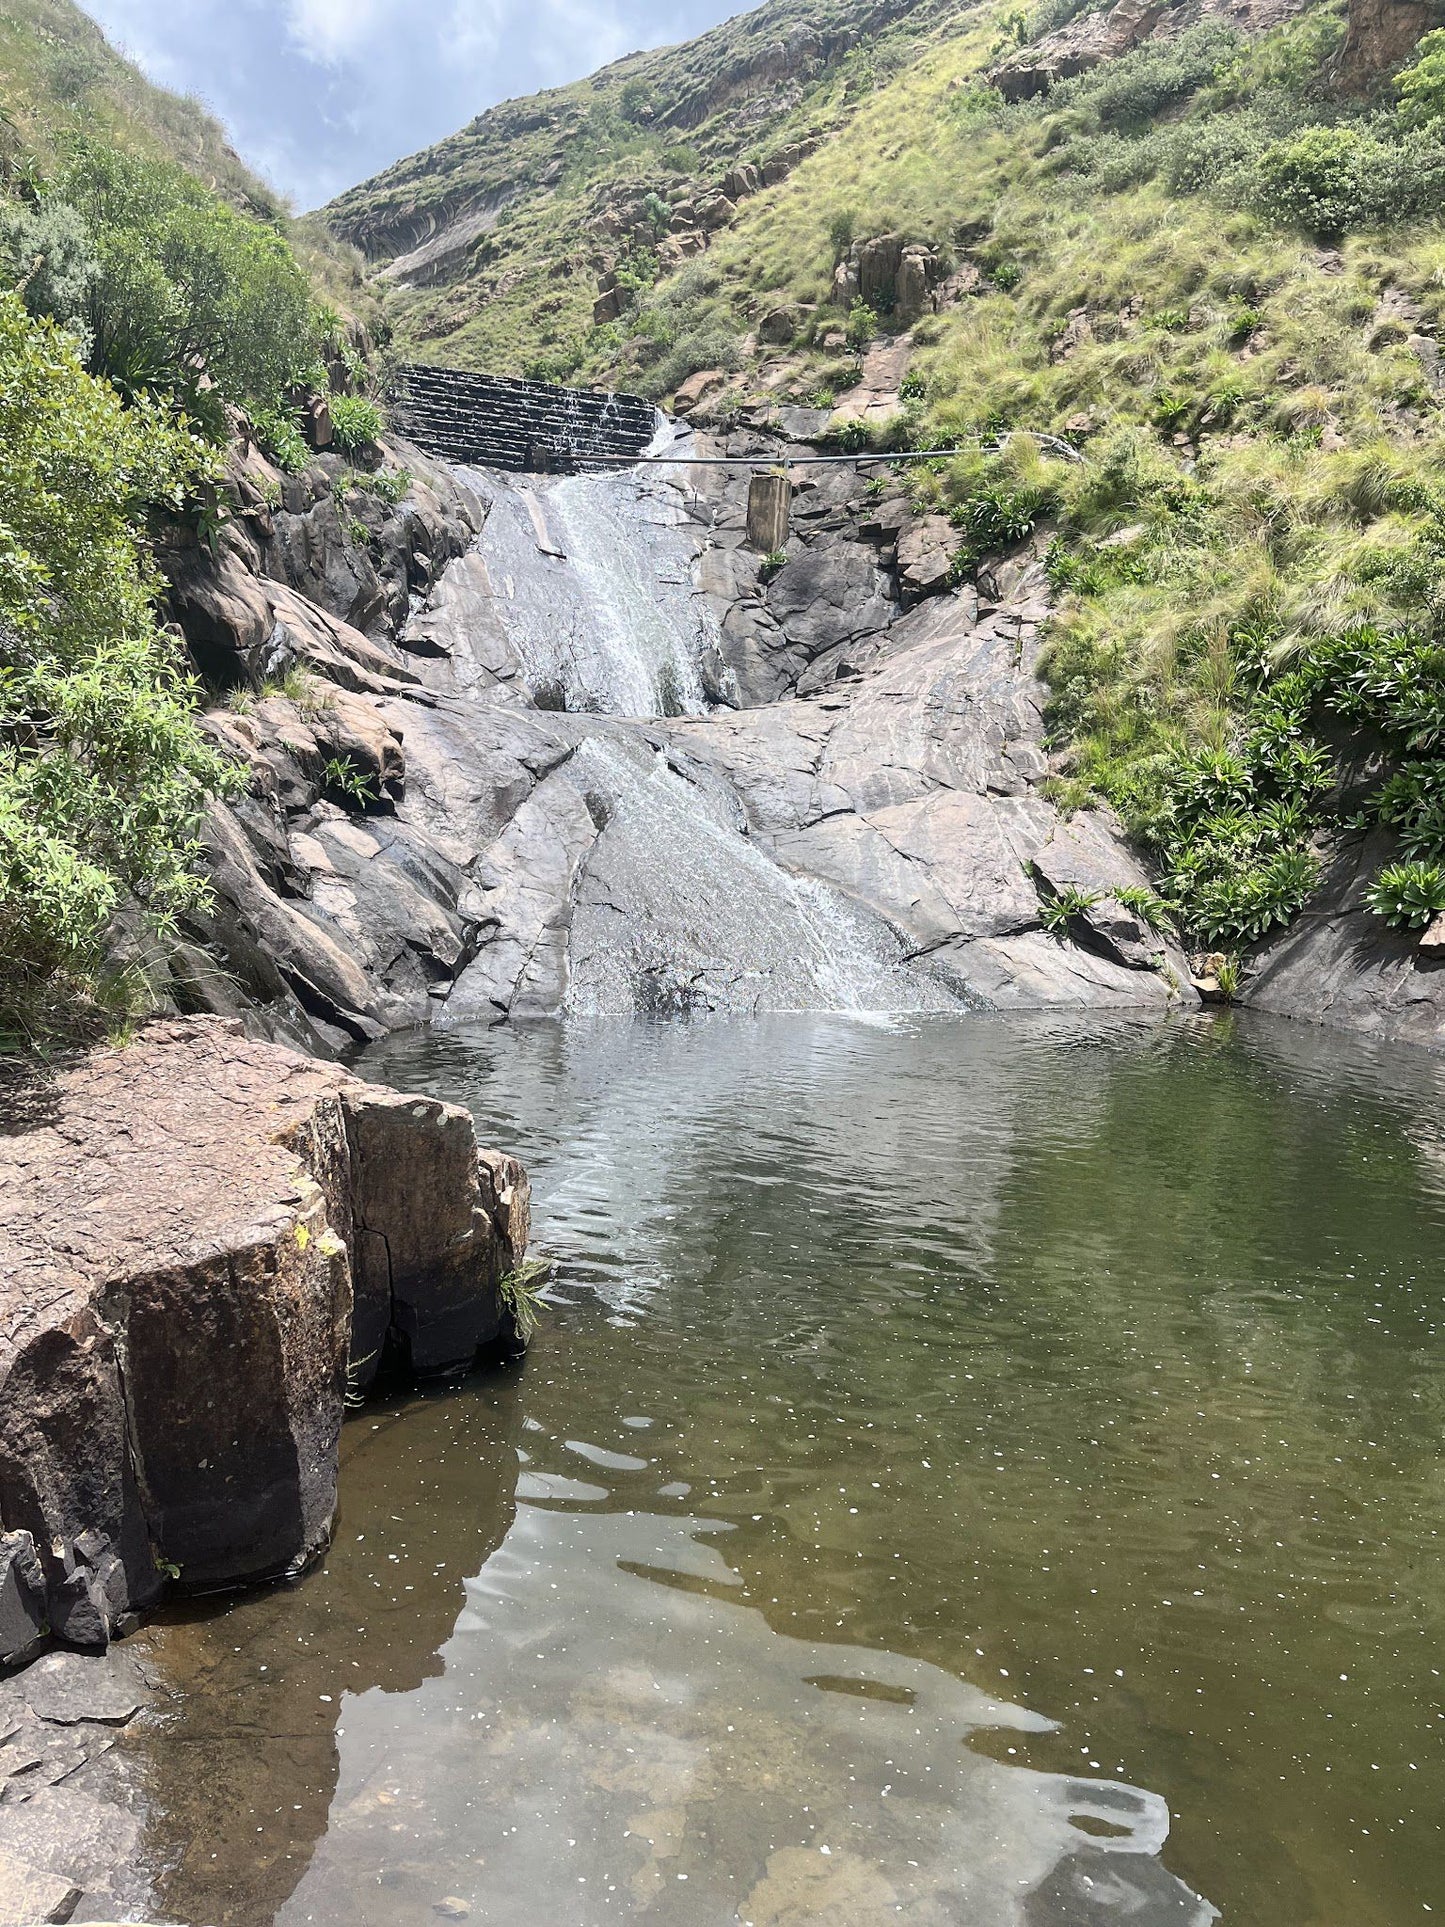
594	577
678	909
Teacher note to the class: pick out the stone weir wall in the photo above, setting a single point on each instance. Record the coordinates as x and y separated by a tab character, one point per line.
493	421
206	1244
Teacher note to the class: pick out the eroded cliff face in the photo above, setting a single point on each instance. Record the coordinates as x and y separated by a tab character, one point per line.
594	754
603	761
205	1240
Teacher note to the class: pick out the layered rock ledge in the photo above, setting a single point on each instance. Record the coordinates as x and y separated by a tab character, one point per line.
205	1242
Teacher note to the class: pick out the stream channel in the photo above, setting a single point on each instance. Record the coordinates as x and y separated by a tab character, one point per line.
971	1469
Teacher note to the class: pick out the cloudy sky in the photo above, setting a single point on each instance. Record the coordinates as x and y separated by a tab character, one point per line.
319	94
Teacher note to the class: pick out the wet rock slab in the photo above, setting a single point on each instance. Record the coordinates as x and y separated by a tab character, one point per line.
198	1234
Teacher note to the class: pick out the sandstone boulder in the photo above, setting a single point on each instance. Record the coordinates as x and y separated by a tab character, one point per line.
779	325
714	211
198	1234
926	548
697	388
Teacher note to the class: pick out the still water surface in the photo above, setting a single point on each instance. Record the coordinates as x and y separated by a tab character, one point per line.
957	1455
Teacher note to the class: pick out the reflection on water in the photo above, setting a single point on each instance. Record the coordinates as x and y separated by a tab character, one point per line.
942	1433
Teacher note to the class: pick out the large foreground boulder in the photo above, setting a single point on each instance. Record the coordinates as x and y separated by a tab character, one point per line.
199	1235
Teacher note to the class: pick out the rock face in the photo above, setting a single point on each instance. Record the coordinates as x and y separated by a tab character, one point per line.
198	1234
613	759
1340	966
1093	37
1379	38
893	275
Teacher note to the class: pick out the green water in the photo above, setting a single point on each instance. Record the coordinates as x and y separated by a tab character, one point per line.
938	1430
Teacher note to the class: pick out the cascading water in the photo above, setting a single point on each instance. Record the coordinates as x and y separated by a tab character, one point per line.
632	881
678	909
594	577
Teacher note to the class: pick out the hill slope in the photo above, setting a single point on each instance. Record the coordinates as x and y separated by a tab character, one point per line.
60	75
1195	246
493	242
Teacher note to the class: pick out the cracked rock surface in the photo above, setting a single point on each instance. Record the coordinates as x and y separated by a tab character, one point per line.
850	813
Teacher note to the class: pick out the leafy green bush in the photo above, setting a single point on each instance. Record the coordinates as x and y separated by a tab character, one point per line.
1408	895
1413	804
1421	86
1318	180
45	253
103	770
861	325
355	423
188	298
280	438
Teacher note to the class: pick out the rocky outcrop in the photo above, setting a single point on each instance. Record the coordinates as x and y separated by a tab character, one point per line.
1340	966
1090	38
1380	36
894	275
835	791
200	1235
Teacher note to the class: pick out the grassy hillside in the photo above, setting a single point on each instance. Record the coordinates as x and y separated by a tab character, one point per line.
59	75
1207	266
149	287
523	209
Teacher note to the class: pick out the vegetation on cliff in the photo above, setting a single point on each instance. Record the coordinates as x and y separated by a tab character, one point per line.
139	304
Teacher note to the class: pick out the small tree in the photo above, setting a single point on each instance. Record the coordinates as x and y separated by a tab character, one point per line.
1422	86
188	297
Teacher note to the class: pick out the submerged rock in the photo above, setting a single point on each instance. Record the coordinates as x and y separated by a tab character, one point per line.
199	1234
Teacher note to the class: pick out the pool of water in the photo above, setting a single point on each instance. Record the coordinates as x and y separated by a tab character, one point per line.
970	1471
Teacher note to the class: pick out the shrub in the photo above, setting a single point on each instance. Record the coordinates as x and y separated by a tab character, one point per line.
842	226
861	325
45	253
280	438
103	770
1319	180
1408	895
1131	91
186	291
355	423
707	347
1413	804
1421	87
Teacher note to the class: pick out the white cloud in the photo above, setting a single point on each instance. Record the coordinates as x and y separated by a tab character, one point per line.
321	94
335	30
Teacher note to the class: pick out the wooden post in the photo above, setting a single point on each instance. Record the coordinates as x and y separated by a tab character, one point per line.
769	500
